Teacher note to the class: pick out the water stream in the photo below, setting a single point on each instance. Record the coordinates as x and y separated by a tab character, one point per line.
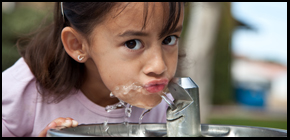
128	108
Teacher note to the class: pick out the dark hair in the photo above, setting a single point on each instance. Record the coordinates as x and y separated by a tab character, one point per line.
56	73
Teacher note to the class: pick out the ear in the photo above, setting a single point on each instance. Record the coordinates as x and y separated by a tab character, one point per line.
74	44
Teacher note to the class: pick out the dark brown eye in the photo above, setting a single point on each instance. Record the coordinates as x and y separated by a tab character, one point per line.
133	44
170	40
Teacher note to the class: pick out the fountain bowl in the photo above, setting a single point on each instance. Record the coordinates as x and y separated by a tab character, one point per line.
159	130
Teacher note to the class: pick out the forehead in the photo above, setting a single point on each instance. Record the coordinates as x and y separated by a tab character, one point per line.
133	15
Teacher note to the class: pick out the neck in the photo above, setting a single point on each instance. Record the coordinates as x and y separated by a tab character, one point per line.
94	88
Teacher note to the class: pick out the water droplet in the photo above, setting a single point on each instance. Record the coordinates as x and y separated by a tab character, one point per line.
143	114
109	108
128	111
112	95
106	127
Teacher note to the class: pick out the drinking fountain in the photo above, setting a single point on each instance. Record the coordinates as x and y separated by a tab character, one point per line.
183	120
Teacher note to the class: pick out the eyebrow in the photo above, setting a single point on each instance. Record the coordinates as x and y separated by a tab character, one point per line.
133	33
140	33
177	29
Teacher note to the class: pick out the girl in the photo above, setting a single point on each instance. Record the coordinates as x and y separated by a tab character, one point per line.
91	50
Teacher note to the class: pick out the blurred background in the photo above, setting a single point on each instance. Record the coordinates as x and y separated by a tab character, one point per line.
235	51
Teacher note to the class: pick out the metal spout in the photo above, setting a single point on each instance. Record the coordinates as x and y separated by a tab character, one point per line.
184	120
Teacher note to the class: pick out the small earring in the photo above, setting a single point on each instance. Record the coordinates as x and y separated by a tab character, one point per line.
79	58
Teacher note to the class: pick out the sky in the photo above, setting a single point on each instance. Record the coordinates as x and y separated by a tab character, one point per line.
268	40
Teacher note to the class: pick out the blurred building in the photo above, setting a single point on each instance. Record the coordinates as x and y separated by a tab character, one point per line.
208	55
260	83
220	76
198	44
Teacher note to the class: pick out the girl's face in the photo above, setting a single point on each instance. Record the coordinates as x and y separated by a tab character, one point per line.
136	65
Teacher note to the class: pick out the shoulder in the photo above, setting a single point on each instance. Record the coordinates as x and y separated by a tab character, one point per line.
19	72
19	96
16	82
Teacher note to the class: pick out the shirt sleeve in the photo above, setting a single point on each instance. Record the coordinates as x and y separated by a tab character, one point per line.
18	100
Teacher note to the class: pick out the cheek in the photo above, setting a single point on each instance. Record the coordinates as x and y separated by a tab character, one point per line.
117	74
171	62
111	68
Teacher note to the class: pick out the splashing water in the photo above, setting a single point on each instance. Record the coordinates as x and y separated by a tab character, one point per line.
143	114
121	103
168	101
112	95
125	89
109	108
106	127
128	111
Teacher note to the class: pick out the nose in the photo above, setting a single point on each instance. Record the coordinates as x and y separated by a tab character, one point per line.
155	62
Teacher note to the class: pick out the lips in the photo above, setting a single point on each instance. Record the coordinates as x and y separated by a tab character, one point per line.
155	86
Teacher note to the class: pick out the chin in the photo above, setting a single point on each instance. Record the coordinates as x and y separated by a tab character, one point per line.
148	104
140	99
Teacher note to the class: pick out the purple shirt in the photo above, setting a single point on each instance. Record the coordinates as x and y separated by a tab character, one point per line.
23	113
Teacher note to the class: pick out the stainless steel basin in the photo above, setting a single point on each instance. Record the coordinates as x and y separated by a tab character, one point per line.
183	119
160	130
